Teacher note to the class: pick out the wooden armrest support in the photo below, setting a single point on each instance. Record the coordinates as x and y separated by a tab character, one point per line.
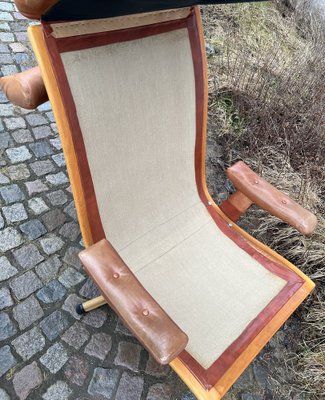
138	310
25	89
266	196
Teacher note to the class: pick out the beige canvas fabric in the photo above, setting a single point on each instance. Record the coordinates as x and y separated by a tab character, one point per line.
136	107
75	28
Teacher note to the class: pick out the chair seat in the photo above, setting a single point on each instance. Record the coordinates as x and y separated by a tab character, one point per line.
206	283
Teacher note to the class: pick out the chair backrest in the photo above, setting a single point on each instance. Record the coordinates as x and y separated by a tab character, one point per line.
133	90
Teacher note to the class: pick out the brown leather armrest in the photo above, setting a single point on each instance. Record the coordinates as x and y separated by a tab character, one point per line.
271	199
34	9
25	89
139	311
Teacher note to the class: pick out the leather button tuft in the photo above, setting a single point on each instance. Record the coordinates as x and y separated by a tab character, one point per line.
116	275
145	312
284	201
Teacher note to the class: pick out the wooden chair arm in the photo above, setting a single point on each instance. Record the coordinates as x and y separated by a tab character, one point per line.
134	305
257	190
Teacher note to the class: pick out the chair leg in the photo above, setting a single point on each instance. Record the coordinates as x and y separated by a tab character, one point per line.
90	305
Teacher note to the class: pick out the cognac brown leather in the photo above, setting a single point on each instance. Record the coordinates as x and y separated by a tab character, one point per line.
138	310
236	205
271	199
25	89
34	9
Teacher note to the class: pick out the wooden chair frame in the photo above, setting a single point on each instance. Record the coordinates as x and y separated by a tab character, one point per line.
85	213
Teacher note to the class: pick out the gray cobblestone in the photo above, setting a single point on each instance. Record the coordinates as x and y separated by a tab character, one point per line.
7	327
52	292
76	370
11	194
57	179
26	380
35	119
57	198
130	387
3	179
36	186
48	269
7	360
41	149
128	355
70	231
6	269
18	172
25	284
5	298
59	159
52	244
17	47
70	209
4	6
9	70
99	346
6	110
89	290
55	358
103	382
42	167
54	325
159	391
76	335
15	212
9	239
27	312
29	343
37	205
70	277
4	395
18	154
22	136
53	219
95	318
41	132
59	391
155	369
28	256
56	143
14	123
5	16
33	229
70	305
2	222
71	257
5	139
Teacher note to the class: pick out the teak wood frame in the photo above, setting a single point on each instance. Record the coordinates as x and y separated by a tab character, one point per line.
36	35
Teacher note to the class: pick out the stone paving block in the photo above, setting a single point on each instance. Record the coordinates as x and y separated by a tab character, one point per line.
89	290
95	318
42	167
6	37
9	239
33	229
37	205
76	370
25	284
128	355
103	382
190	396
53	219
29	343
5	140
27	312
57	198
7	327
17	47
70	305
2	222
7	360
28	256
11	194
70	209
54	325
159	391
70	277
36	119
57	179
59	159
9	70
41	132
6	110
5	298
15	213
261	375
18	154
4	395
99	346
52	244
22	136
6	58
36	186
70	230
130	387
5	16
14	123
41	149
3	179
18	172
4	6
6	269
56	143
121	328
26	380
59	391
71	257
55	358
48	269
44	107
52	292
155	369
76	335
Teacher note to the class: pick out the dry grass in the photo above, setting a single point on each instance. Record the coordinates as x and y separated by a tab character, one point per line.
267	107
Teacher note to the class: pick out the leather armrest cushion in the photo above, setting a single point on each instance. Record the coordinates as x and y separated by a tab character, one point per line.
138	310
271	199
34	9
25	89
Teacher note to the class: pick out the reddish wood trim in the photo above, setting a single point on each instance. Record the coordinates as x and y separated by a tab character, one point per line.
231	211
86	41
209	377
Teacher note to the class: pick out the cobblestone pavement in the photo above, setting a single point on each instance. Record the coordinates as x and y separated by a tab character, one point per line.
47	351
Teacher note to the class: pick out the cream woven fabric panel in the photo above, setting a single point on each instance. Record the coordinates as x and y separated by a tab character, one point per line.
136	107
